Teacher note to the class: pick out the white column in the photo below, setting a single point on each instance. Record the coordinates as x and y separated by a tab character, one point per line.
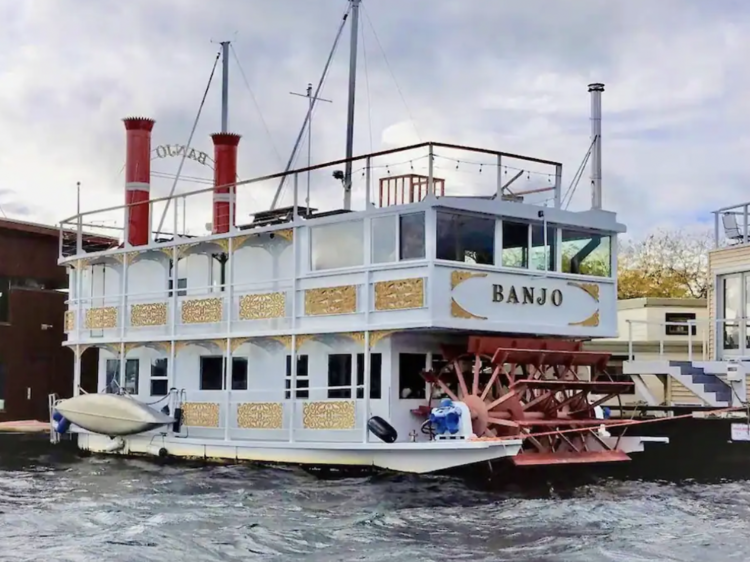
366	391
293	388
77	371
228	388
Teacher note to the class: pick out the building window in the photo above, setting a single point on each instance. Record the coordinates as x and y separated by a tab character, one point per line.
731	292
132	368
303	377
542	254
340	375
4	300
515	244
411	236
212	373
376	368
586	253
681	329
465	238
411	384
337	245
159	380
2	388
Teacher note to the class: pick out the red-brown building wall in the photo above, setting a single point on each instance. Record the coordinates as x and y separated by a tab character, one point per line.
33	361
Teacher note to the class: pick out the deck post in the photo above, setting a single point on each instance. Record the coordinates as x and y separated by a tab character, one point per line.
77	370
499	189
430	169
228	361
293	388
366	389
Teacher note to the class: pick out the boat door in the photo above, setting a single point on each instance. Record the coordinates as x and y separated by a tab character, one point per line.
378	404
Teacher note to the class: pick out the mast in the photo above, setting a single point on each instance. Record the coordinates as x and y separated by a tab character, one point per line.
350	110
225	86
311	99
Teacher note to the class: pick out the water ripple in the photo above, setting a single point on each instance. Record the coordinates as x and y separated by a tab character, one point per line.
82	510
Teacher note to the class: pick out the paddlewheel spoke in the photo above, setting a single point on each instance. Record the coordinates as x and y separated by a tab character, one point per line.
532	389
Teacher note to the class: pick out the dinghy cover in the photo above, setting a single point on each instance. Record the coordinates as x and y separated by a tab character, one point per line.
111	414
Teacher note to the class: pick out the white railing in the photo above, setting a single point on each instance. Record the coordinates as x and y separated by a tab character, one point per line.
441	169
732	225
726	341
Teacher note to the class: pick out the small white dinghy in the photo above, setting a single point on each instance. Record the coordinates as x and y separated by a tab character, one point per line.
111	414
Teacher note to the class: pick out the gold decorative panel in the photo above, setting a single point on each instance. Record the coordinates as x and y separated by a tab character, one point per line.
458	311
260	415
100	318
590	322
200	311
70	320
328	415
592	289
200	414
399	295
331	300
262	306
151	314
458	277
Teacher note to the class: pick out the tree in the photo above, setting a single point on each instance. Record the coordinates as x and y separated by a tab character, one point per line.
667	264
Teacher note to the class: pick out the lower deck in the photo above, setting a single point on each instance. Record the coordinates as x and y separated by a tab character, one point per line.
254	401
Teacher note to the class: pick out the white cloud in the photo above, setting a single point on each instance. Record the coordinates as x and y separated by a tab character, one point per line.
507	76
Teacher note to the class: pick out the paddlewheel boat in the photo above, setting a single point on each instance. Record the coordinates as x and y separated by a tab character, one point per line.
431	322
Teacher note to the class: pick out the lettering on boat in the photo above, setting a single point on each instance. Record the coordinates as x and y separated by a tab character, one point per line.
173	150
511	294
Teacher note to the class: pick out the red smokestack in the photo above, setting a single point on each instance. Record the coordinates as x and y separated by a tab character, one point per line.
225	172
138	179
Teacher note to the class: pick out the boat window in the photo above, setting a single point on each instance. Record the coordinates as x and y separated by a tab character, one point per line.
376	368
340	375
515	244
211	372
4	300
542	254
112	369
337	245
239	373
159	381
586	253
303	377
731	296
181	282
465	238
411	384
411	236
384	239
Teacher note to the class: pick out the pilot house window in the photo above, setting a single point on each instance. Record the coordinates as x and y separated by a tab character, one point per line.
586	253
465	238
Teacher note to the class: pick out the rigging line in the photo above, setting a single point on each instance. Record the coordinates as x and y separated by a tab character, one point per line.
367	89
190	139
255	101
387	64
310	108
577	177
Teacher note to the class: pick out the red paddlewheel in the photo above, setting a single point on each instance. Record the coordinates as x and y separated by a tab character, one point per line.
530	388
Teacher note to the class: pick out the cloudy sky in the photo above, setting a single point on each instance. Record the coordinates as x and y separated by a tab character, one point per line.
503	75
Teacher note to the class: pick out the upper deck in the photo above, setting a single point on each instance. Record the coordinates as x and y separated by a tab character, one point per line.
421	249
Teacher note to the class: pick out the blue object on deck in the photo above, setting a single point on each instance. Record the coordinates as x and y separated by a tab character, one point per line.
606	412
60	423
446	418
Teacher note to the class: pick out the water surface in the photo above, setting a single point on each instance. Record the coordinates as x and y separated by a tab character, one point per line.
58	507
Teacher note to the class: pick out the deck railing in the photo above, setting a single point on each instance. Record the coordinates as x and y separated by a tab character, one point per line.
445	169
732	225
726	342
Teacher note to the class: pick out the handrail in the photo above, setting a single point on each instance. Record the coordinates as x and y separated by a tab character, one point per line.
318	167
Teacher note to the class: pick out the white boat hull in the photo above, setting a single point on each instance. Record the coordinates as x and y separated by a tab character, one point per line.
418	458
111	414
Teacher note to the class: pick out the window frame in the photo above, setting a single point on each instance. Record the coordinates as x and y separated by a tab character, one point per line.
223	371
397	231
466	214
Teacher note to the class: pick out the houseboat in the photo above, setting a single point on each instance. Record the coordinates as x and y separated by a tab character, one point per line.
420	326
